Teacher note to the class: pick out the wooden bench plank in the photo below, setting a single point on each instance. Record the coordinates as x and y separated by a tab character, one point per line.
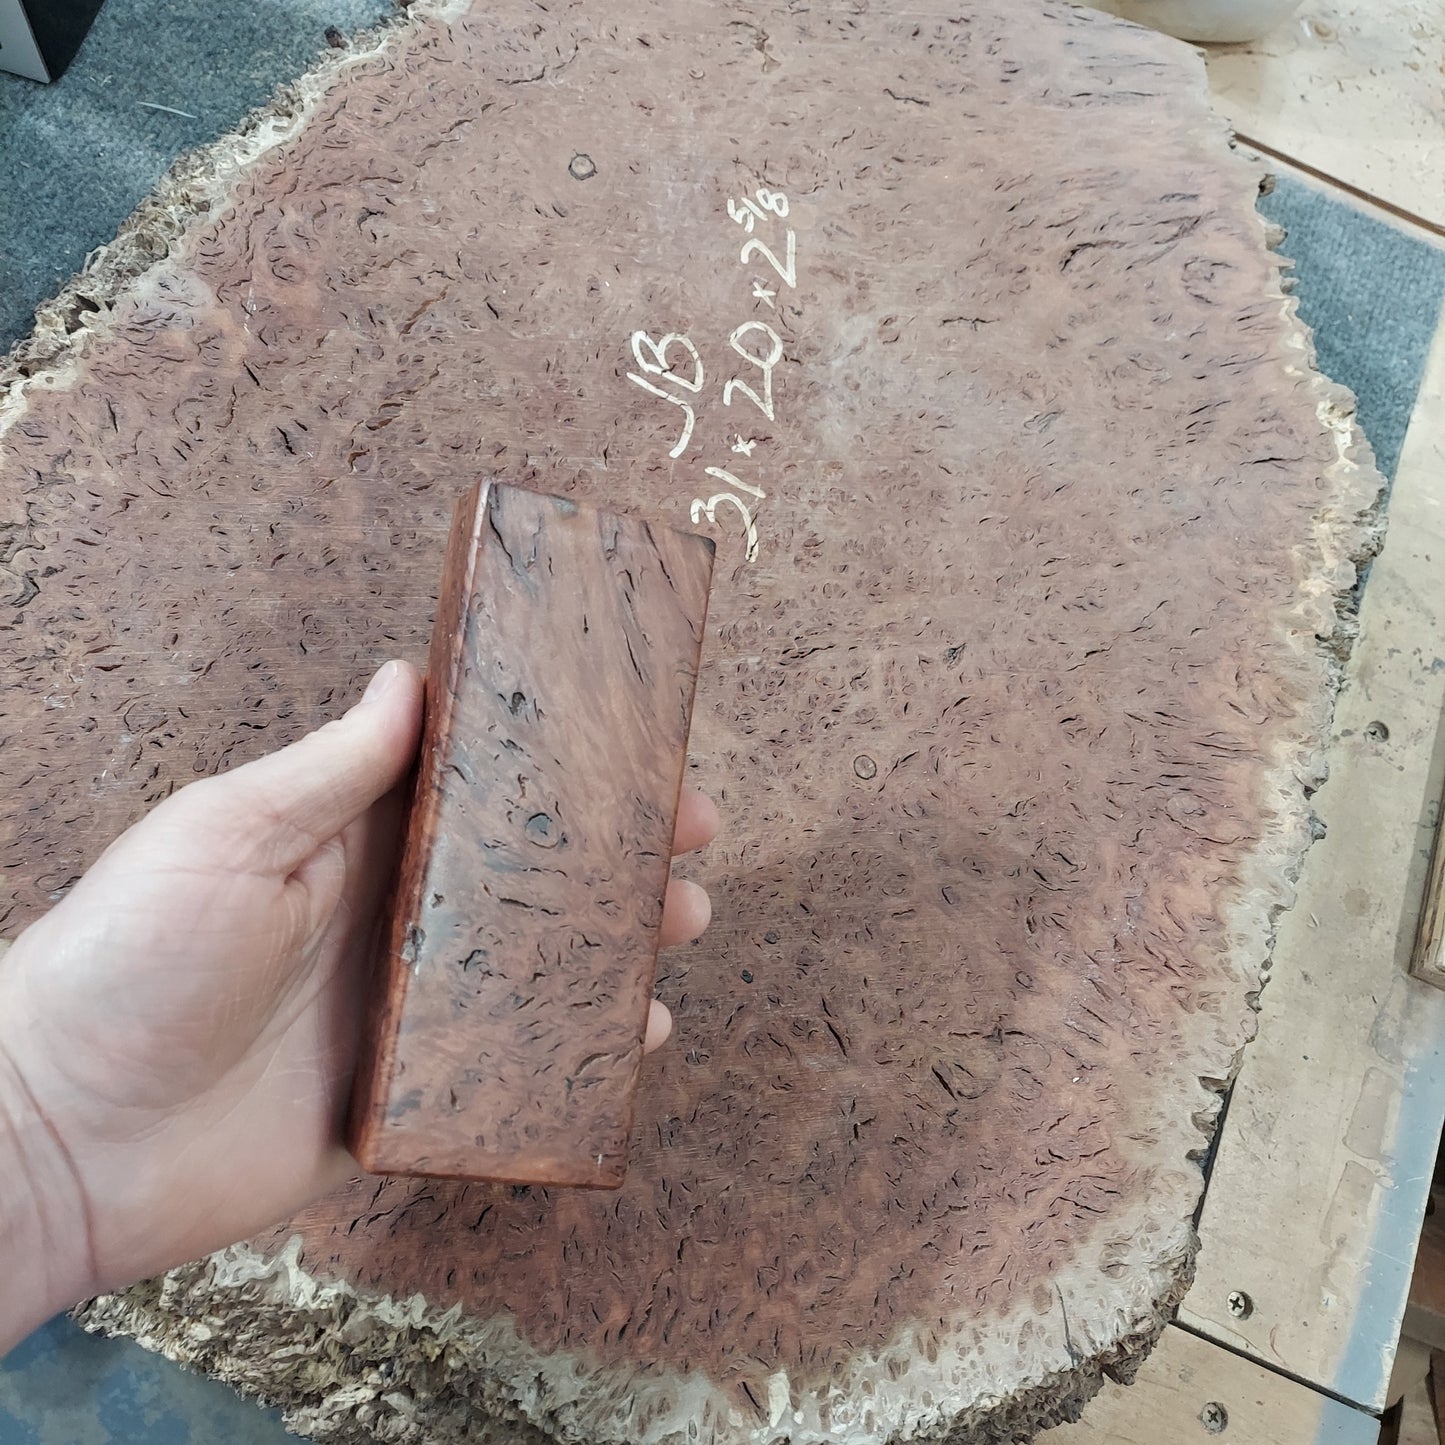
1351	90
1325	1157
1192	1389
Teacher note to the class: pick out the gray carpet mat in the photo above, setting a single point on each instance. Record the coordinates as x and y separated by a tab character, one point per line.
153	79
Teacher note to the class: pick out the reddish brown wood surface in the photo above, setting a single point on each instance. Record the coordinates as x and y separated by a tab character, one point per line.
1032	522
512	994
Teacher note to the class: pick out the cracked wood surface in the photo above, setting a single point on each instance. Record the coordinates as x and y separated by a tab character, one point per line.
1033	525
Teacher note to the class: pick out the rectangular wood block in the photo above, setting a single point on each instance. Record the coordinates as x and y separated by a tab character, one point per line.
511	996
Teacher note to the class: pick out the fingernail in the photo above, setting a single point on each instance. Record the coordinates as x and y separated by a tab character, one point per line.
379	684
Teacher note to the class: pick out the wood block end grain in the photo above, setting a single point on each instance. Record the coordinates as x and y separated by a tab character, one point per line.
511	996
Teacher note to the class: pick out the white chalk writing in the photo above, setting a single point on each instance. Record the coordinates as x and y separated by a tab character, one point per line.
671	366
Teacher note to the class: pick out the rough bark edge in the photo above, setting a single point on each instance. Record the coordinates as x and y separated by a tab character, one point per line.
350	1368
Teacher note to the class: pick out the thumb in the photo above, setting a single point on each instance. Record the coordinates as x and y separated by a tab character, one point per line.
283	807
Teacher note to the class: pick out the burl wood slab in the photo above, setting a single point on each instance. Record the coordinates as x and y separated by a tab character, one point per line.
959	331
511	997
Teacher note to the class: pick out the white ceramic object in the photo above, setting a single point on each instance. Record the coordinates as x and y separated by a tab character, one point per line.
1205	20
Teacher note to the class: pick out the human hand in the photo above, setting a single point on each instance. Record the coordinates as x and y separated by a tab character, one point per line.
177	1036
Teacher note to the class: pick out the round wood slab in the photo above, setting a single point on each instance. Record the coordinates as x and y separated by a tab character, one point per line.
961	335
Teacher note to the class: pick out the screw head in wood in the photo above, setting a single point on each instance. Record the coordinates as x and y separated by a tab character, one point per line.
1214	1417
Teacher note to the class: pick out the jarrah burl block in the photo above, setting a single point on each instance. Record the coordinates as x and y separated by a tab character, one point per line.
511	998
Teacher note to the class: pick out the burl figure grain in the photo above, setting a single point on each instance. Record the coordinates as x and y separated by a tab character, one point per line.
512	994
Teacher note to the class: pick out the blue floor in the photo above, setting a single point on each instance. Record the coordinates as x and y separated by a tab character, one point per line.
65	1387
